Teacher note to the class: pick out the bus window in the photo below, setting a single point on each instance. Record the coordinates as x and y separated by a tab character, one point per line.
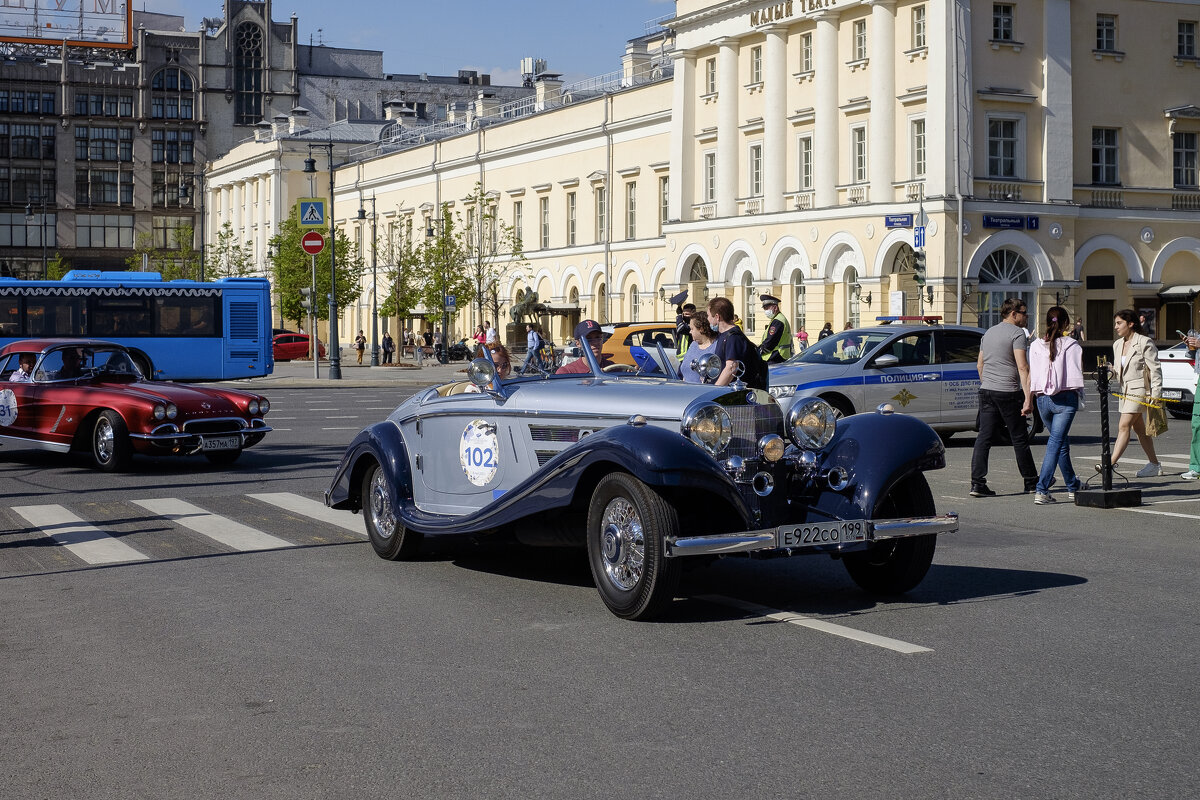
54	316
10	316
120	317
186	316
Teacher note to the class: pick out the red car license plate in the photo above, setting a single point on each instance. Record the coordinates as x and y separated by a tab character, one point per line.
221	443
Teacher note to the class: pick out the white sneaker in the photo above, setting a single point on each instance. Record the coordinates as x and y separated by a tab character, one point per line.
1190	475
1151	470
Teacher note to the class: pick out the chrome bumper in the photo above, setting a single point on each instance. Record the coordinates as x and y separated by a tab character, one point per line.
752	541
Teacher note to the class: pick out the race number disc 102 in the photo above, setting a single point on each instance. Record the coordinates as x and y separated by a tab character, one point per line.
8	407
479	453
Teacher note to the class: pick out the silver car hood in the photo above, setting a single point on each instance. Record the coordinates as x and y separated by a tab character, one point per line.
796	374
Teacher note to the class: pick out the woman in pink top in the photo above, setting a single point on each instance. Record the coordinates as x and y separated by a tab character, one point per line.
1056	384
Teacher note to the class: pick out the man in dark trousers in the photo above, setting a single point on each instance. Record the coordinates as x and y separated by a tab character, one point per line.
733	347
1003	368
776	346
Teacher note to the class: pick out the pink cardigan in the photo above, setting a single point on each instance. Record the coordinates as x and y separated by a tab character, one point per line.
1064	373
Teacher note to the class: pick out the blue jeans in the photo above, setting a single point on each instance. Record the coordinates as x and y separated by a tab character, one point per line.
1058	412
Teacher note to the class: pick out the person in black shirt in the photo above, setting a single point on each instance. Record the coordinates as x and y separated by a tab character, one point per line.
733	346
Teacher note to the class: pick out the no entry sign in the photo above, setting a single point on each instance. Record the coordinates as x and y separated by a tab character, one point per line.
312	243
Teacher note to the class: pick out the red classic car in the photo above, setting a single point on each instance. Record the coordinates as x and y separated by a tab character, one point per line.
288	345
86	395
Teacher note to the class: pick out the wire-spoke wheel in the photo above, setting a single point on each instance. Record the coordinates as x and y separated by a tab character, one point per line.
628	528
388	535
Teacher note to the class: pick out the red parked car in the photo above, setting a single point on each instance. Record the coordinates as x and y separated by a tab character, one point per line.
88	395
289	345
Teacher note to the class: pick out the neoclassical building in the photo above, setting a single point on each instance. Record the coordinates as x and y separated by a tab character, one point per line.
820	150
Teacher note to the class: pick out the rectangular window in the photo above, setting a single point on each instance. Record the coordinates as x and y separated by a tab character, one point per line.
918	27
570	219
860	39
97	105
518	221
710	177
631	210
918	148
1106	32
1002	22
47	102
165	237
1187	39
544	215
156	108
710	76
756	64
805	161
1185	160
756	170
858	152
4	100
601	214
110	105
104	230
806	52
126	105
81	104
1002	148
664	202
1105	152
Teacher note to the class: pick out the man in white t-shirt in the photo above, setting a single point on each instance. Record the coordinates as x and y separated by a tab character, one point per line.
490	335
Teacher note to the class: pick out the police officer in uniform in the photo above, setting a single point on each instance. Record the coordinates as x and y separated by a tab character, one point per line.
776	345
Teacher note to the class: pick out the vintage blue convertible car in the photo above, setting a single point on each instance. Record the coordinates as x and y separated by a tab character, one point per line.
645	470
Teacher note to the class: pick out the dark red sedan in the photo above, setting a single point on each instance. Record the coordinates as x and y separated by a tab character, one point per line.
288	346
87	395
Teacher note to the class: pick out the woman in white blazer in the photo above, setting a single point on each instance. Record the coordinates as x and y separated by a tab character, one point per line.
1134	359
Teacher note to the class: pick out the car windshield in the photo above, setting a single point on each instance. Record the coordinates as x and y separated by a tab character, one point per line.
846	347
81	363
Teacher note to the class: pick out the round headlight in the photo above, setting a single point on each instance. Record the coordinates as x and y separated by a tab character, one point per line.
811	423
264	405
481	372
160	413
709	427
172	411
771	447
253	407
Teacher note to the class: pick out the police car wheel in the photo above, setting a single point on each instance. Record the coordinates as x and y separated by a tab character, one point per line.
896	566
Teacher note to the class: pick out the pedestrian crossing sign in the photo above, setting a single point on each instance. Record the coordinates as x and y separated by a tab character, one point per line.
311	212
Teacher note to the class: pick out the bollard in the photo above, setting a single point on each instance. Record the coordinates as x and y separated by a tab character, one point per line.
1106	496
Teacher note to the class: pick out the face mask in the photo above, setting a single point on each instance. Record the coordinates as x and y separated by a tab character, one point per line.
770	314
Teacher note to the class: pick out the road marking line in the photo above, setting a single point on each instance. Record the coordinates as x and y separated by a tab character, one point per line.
1162	513
221	529
84	540
349	416
819	625
287	418
312	509
340	429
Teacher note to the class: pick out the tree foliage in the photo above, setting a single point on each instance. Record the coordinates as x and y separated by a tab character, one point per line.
442	260
492	250
180	260
227	257
57	267
402	264
292	268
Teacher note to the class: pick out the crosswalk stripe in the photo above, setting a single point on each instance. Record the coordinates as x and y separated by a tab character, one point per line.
313	509
221	529
84	540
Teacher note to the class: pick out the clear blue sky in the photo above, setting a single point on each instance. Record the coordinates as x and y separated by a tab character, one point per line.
578	38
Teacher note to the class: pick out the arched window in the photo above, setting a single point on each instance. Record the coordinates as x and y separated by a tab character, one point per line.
248	74
852	302
800	314
1004	273
748	304
172	94
634	302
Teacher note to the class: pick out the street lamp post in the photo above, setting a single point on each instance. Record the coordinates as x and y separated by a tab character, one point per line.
362	214
29	218
335	357
185	192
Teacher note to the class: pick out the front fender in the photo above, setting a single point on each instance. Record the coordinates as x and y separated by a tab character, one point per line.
384	443
876	451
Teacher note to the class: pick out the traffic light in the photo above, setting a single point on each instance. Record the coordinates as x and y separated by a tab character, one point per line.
306	298
919	267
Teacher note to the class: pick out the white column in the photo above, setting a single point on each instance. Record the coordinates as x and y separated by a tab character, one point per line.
825	144
260	240
1058	130
239	210
682	181
727	128
882	154
775	120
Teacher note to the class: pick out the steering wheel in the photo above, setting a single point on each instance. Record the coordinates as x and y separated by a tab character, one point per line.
620	368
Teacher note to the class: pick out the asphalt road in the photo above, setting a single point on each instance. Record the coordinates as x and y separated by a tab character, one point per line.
257	647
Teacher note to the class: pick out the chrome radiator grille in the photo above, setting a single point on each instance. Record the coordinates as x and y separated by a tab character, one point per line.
750	424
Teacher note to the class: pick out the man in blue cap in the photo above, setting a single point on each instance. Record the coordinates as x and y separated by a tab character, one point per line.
589	335
776	346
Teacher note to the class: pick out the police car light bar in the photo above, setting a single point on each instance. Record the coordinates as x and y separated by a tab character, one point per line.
926	320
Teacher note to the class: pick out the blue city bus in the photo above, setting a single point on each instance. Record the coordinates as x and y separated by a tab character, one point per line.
176	330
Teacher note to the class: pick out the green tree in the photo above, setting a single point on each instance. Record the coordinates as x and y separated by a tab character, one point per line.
442	261
292	268
492	249
57	267
180	260
402	265
227	257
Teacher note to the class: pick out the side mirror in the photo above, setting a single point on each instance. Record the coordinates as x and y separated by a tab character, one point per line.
886	360
709	367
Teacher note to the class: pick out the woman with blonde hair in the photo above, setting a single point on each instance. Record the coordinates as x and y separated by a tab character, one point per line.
1135	364
1056	385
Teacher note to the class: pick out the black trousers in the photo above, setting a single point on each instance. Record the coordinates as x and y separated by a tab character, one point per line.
1002	411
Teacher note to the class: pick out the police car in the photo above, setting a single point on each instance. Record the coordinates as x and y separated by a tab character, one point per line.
920	367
